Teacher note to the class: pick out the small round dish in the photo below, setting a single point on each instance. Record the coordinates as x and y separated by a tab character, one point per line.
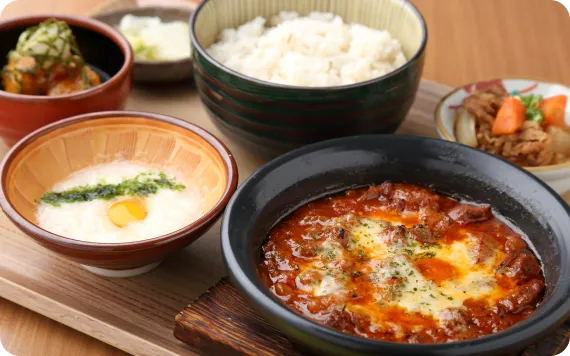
155	71
314	171
557	176
52	153
273	118
104	48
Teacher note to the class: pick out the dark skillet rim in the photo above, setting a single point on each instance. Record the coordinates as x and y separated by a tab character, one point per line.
409	63
522	334
32	229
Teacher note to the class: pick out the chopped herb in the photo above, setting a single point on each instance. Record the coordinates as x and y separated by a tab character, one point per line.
415	289
354	295
143	184
411	273
375	279
382	305
450	298
329	255
425	255
431	295
532	104
316	236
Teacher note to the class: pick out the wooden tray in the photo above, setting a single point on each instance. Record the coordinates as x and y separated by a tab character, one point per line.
220	322
137	314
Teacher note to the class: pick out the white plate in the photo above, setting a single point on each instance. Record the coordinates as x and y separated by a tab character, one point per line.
557	176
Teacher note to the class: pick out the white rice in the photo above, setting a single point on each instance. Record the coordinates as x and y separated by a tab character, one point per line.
318	50
167	210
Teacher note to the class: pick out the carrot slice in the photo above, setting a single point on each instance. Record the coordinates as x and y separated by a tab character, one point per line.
553	110
510	118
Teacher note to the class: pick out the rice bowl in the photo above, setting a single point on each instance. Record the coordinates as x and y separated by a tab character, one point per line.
314	51
271	118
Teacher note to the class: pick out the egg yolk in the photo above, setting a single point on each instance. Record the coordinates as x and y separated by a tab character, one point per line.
124	212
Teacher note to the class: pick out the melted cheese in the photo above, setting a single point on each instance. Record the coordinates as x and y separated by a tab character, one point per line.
395	269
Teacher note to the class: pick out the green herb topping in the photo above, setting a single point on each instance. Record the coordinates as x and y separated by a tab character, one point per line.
532	104
143	184
51	44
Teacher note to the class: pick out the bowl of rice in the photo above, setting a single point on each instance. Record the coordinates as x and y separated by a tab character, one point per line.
281	74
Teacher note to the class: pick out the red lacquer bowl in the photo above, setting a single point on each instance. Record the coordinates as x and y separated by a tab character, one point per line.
105	50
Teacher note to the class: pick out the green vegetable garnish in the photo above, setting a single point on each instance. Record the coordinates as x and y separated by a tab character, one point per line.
51	44
532	104
141	49
143	184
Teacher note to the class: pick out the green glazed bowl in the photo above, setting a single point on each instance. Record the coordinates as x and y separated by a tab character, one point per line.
275	117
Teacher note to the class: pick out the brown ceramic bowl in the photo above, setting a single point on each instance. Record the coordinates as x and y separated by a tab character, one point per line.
104	49
51	153
156	71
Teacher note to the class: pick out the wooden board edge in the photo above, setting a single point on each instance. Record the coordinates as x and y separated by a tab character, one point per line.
79	321
189	338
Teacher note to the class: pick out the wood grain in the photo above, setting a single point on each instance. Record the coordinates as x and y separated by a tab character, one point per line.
20	328
464	46
220	322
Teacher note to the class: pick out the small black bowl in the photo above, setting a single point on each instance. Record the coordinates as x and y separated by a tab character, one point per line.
311	172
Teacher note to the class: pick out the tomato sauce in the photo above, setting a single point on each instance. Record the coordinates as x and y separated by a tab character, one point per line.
402	263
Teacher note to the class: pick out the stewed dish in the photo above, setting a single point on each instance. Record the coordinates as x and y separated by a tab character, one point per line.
399	262
397	245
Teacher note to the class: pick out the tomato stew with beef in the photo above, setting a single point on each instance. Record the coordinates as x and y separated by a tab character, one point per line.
402	263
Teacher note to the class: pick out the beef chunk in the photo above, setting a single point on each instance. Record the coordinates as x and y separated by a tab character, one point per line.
454	321
481	247
465	214
513	248
524	267
485	104
384	191
522	297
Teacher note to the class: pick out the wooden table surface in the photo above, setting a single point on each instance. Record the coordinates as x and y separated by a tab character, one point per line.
469	40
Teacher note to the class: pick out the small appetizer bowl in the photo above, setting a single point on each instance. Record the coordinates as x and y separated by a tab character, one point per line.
557	176
274	118
52	153
104	49
155	71
314	171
